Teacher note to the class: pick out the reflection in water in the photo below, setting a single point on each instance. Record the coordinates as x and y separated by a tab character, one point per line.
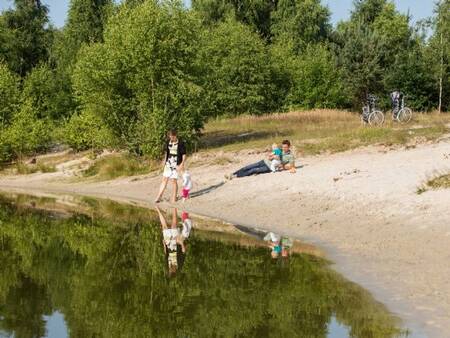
106	272
175	239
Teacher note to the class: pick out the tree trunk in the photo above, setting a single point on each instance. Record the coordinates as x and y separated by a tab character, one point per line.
441	75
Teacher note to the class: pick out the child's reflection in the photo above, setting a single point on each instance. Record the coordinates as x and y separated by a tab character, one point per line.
278	244
174	240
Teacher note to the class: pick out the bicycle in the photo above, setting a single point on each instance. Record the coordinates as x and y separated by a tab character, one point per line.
371	114
402	113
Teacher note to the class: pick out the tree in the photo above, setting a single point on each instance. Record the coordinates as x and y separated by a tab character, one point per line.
303	22
9	95
42	91
25	35
366	11
140	81
441	40
256	14
236	74
315	81
371	43
85	24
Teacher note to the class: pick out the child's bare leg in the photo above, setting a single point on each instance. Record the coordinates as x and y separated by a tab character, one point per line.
162	188
175	191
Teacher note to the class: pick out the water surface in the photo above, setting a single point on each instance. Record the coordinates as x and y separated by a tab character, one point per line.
99	269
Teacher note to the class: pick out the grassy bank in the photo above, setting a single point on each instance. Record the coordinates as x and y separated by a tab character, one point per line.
314	132
311	132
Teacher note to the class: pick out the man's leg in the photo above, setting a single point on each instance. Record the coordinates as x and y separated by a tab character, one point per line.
264	169
259	168
245	171
162	188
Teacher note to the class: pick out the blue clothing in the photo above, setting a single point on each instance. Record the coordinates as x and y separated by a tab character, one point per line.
277	152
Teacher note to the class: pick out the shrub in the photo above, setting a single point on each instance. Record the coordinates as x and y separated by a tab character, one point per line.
27	134
236	72
9	95
313	77
86	131
140	81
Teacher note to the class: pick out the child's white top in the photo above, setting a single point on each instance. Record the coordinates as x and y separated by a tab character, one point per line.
187	227
187	182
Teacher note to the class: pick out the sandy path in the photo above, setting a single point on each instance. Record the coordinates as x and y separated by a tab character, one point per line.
362	206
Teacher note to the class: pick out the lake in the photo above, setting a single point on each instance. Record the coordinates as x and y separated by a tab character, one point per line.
81	267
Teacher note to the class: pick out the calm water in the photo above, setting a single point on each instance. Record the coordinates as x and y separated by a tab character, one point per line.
100	269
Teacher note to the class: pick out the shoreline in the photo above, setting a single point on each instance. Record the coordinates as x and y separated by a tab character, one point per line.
341	266
359	207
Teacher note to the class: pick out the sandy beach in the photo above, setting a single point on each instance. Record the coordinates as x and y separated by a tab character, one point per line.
361	206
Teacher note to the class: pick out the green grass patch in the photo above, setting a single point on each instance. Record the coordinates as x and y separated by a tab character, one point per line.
120	165
26	169
435	183
318	131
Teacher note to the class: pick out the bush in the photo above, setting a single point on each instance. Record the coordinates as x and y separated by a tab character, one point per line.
236	73
41	90
9	95
86	131
27	134
313	77
140	81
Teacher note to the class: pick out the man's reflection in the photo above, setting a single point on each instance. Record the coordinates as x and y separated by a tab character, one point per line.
279	245
174	239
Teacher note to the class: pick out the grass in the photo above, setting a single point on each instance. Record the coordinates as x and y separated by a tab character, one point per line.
317	131
119	165
441	181
25	169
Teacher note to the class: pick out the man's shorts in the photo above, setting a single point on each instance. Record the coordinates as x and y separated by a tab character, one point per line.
170	172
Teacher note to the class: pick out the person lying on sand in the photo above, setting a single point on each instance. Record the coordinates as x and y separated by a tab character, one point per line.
264	166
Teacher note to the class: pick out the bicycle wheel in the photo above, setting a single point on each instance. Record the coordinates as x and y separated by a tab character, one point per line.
376	118
404	115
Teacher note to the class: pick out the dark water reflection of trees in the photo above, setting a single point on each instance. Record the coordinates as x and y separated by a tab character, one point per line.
105	271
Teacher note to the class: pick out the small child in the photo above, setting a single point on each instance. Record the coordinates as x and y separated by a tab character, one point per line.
187	185
275	158
187	225
185	230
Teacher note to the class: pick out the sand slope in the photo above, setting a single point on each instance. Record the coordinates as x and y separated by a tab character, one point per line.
362	206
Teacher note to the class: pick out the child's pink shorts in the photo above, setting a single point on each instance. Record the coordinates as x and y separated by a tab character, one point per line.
185	193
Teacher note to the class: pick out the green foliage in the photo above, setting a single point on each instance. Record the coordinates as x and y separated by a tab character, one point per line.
41	91
141	79
256	14
315	79
303	22
236	74
25	35
28	134
84	131
412	73
9	95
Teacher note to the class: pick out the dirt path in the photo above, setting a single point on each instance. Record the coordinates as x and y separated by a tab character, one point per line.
362	206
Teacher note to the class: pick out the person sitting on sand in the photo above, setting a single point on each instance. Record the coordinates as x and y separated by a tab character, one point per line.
263	167
173	163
